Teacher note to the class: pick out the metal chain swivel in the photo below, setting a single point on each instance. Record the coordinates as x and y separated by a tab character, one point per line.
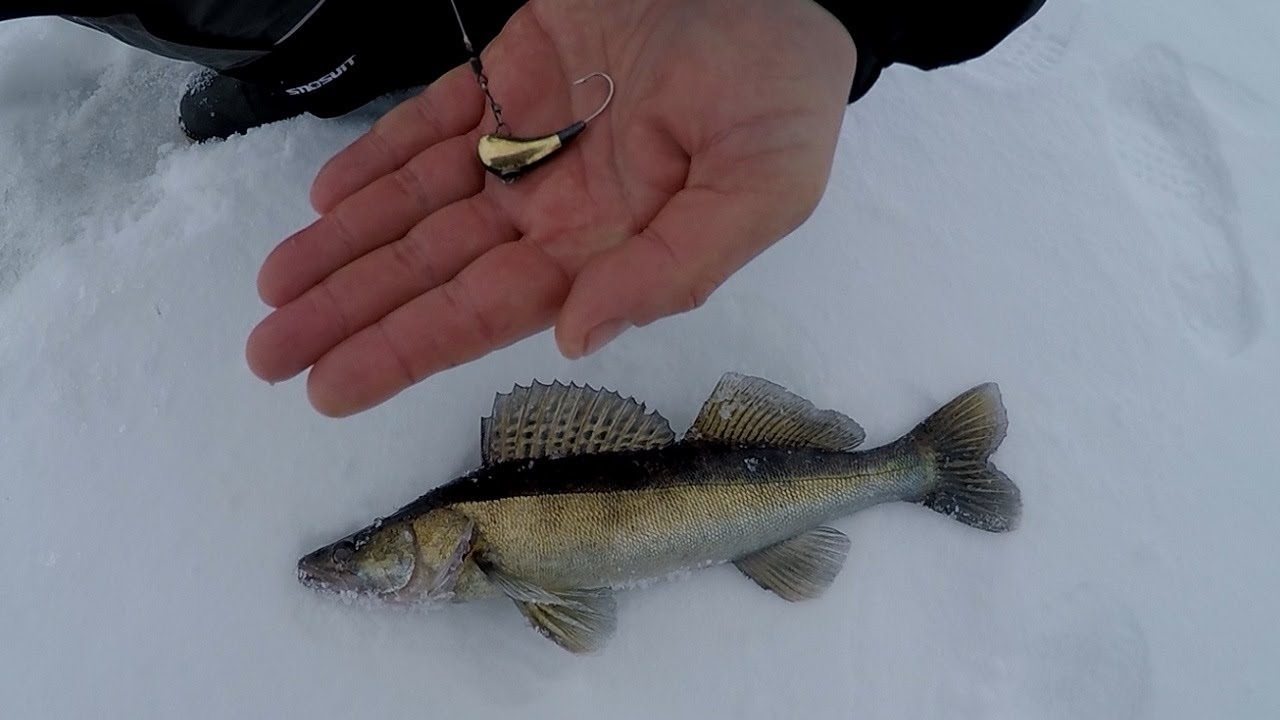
477	67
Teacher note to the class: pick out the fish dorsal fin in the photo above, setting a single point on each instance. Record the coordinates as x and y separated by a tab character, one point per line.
745	410
549	421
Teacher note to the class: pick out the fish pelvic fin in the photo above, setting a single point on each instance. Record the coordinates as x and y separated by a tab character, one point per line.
580	621
801	568
746	410
957	442
581	624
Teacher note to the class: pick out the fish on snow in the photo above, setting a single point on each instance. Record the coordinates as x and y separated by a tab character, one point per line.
582	492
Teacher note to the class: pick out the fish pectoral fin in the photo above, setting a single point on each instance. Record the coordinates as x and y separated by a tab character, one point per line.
801	568
580	621
745	410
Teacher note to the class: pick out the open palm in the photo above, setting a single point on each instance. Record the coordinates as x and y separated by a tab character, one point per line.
717	143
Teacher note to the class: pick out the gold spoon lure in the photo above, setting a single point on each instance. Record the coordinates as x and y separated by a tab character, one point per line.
509	156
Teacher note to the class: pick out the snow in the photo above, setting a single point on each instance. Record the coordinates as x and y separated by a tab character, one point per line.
1086	215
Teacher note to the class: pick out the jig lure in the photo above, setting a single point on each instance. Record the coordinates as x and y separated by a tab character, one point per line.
509	156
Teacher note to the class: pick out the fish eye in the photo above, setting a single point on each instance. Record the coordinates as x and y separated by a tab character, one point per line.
343	552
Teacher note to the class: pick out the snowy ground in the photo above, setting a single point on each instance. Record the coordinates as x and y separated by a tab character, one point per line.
1087	216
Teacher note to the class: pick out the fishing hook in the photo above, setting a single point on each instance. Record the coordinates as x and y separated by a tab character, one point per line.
510	157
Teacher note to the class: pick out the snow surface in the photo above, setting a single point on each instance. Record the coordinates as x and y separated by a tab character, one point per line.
1088	216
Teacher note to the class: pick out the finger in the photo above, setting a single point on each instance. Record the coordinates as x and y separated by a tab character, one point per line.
291	339
695	242
380	213
511	292
450	106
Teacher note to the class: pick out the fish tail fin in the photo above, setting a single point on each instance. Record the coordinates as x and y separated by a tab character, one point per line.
958	441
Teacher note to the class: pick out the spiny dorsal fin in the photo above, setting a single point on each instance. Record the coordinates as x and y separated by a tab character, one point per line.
745	410
548	421
800	568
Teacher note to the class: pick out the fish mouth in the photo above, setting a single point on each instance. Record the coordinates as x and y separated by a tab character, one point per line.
337	584
317	573
314	578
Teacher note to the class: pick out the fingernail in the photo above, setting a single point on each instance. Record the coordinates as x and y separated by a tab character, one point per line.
604	333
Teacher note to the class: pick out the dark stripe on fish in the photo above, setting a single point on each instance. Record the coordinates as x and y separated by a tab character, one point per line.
675	466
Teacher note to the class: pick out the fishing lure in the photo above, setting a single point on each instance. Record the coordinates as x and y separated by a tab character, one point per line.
509	156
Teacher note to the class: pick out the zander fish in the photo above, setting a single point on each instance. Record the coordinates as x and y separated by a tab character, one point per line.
582	492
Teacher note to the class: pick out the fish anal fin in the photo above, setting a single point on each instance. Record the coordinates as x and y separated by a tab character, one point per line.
580	621
800	568
556	420
745	410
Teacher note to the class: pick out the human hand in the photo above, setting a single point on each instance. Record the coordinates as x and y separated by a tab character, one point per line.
718	142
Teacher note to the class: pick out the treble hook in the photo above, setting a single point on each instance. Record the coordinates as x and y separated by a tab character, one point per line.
510	157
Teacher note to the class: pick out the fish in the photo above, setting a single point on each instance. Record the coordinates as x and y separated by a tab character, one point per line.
582	493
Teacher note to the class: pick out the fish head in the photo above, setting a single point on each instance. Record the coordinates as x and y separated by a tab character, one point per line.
376	562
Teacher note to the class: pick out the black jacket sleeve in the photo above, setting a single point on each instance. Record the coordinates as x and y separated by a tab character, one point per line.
282	40
34	8
225	34
216	33
926	34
